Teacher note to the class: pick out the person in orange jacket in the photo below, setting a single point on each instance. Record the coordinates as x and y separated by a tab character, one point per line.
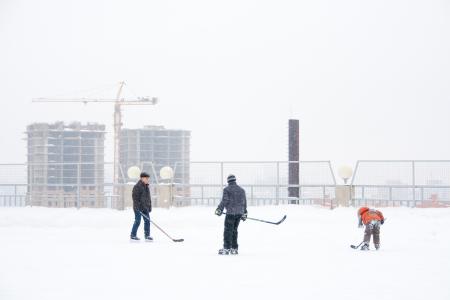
372	219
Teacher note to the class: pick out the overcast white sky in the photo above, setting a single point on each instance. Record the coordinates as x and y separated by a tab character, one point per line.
367	79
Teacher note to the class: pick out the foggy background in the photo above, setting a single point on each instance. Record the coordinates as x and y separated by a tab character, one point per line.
367	79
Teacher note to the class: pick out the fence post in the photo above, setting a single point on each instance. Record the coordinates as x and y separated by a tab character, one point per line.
278	183
15	194
202	192
323	197
251	195
414	181
78	185
363	194
390	194
30	185
300	197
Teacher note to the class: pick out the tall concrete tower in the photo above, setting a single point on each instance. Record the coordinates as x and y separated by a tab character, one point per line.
294	157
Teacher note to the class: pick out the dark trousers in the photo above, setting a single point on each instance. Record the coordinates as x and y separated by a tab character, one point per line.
230	234
372	229
137	222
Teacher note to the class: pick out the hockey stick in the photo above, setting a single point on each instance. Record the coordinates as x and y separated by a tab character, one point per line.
264	221
356	247
175	240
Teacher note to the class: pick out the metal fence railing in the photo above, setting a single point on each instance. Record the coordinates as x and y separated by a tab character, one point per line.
414	183
374	183
90	184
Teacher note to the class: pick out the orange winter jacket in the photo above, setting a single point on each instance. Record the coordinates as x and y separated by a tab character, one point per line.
366	215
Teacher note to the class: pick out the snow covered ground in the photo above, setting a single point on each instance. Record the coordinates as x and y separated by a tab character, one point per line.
86	254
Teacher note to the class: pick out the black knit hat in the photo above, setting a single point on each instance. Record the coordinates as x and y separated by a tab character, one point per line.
231	178
144	175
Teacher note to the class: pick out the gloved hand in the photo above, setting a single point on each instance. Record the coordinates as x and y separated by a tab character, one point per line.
244	216
382	222
218	212
360	223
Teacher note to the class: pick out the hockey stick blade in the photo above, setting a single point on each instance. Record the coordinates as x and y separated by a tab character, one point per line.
282	220
356	247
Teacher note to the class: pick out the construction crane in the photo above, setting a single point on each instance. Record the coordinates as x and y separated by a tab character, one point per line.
118	103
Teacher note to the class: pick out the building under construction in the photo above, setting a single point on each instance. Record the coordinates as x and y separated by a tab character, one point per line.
66	164
154	147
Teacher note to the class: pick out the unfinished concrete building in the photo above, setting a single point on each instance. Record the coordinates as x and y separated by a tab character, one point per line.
157	146
154	147
66	164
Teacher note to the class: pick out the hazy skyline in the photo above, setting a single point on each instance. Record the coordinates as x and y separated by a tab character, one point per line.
368	80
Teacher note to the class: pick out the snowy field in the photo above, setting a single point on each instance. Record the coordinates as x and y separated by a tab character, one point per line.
86	254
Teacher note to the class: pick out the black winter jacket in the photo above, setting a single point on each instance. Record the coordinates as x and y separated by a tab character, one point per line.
142	200
234	199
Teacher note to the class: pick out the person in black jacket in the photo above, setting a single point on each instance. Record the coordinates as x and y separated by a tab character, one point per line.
142	203
235	202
